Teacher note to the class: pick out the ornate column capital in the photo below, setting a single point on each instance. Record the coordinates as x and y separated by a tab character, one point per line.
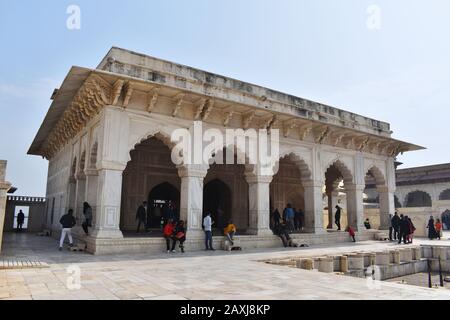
252	179
192	170
355	187
112	165
313	183
91	172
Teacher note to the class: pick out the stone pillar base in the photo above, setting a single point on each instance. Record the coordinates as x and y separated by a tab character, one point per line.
259	232
106	234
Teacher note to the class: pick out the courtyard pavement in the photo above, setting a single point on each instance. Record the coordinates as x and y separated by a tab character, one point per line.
193	275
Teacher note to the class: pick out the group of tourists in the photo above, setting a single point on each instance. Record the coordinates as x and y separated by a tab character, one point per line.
401	228
293	219
175	232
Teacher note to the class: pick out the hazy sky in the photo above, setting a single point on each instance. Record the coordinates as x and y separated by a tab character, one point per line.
335	52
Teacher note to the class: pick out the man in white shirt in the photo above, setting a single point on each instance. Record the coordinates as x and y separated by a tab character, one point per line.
207	224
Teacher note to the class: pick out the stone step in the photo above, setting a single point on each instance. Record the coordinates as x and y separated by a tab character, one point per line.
22	264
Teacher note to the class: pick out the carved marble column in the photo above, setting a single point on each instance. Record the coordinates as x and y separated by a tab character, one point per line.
387	206
355	207
108	201
191	198
80	197
91	191
259	204
313	207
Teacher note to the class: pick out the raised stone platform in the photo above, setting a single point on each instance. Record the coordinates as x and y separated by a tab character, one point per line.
158	245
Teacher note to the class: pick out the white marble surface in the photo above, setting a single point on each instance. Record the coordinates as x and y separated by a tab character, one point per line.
195	275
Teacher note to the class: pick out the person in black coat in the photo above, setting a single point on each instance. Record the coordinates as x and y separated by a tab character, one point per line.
276	219
403	229
282	231
396	225
141	216
87	212
337	217
431	229
67	222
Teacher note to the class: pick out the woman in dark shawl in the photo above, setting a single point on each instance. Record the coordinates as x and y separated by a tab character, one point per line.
431	229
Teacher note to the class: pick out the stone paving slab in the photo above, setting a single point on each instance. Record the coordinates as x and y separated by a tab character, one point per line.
195	276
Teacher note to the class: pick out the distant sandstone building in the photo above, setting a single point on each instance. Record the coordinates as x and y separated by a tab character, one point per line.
107	136
421	192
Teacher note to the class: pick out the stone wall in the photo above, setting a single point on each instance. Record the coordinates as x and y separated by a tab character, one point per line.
36	213
419	216
4	187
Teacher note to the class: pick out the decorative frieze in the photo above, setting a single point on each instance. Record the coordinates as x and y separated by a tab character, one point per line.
92	96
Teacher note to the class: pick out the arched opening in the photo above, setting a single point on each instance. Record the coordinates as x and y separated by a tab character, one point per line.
418	199
150	174
445	195
337	178
218	201
161	198
286	189
371	197
225	193
376	200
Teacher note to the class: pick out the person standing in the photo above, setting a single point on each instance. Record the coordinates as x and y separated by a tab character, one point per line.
431	229
207	225
390	227
289	216
412	228
396	225
20	220
301	219
87	212
438	228
68	222
141	216
276	219
337	217
298	219
403	229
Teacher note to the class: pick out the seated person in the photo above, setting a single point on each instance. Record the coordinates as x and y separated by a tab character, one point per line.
367	224
229	231
168	232
179	234
282	231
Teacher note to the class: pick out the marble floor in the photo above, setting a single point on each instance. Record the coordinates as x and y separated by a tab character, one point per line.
193	275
